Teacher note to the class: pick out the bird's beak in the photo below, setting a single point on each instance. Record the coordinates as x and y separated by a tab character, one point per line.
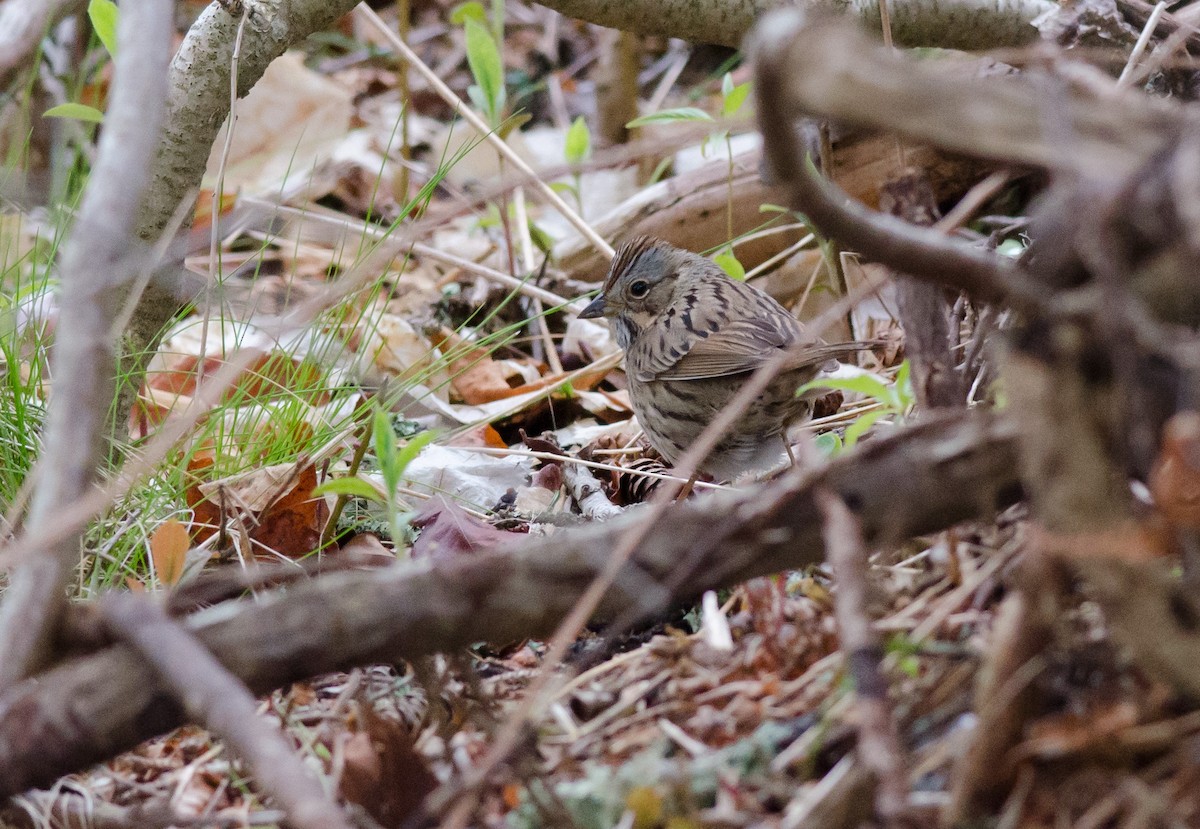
594	310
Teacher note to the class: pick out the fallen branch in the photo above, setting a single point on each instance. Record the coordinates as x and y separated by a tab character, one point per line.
213	697
824	67
921	479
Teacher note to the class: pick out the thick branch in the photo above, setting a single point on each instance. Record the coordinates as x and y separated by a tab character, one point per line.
920	253
963	24
197	104
827	68
96	269
920	480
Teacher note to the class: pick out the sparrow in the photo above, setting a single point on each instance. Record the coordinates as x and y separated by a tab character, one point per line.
692	337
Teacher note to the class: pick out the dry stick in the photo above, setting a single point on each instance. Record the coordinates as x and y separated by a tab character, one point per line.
1162	53
529	263
96	273
539	691
214	697
925	255
489	135
878	742
521	286
1140	46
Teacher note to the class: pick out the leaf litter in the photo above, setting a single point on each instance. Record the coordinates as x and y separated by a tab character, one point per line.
735	713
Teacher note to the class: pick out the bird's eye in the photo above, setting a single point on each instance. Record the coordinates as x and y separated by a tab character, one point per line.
639	289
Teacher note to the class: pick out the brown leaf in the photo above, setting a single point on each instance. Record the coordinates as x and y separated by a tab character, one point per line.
206	512
482	435
475	376
382	771
448	530
274	503
168	550
1175	479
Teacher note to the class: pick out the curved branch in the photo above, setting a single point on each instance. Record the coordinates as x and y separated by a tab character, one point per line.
953	469
915	251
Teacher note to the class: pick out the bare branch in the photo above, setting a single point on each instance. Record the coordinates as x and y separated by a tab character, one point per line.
953	469
952	25
216	699
822	67
97	271
881	238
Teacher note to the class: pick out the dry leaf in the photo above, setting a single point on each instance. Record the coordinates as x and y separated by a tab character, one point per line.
447	530
275	504
382	771
169	545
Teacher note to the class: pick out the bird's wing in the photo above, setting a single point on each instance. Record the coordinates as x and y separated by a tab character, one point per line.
715	331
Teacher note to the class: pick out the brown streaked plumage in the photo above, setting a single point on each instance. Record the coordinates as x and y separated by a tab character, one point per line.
692	336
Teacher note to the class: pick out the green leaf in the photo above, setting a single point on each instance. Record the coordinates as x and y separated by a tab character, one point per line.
383	440
732	97
872	387
860	426
353	486
82	112
729	263
905	396
471	10
829	444
669	115
414	447
483	57
104	16
660	170
579	141
1011	248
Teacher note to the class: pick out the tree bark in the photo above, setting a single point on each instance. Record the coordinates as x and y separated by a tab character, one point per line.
952	469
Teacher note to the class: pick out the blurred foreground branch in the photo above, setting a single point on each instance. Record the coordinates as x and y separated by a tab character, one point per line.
952	469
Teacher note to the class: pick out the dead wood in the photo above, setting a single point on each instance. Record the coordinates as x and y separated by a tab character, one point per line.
837	72
97	271
212	696
937	379
879	744
919	480
952	25
691	210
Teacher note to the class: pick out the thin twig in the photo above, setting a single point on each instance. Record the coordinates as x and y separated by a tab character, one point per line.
878	741
216	698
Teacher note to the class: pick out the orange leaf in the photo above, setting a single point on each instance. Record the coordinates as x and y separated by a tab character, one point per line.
168	550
